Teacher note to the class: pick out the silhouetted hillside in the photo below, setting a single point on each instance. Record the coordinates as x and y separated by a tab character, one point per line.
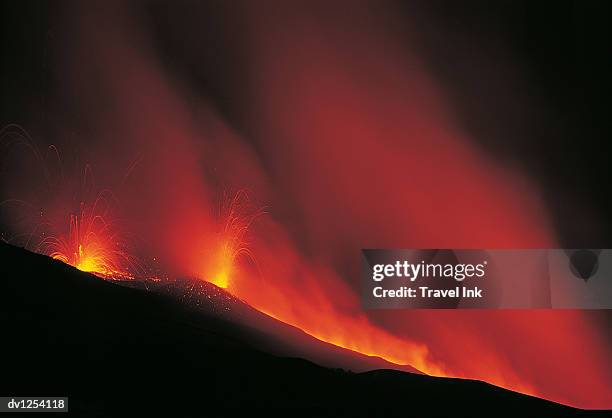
115	349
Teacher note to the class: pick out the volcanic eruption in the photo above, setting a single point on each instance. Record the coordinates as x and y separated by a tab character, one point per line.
324	132
231	245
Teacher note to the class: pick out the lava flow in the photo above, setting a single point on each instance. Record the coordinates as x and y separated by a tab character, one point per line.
232	245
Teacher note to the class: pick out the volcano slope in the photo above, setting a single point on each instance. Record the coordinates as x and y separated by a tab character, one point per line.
148	348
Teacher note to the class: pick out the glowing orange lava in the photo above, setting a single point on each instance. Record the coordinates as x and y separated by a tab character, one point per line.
357	333
231	242
92	243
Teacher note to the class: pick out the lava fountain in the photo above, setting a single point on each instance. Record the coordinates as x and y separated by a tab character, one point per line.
236	217
92	242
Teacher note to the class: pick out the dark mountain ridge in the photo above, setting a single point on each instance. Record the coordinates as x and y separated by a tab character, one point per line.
116	349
